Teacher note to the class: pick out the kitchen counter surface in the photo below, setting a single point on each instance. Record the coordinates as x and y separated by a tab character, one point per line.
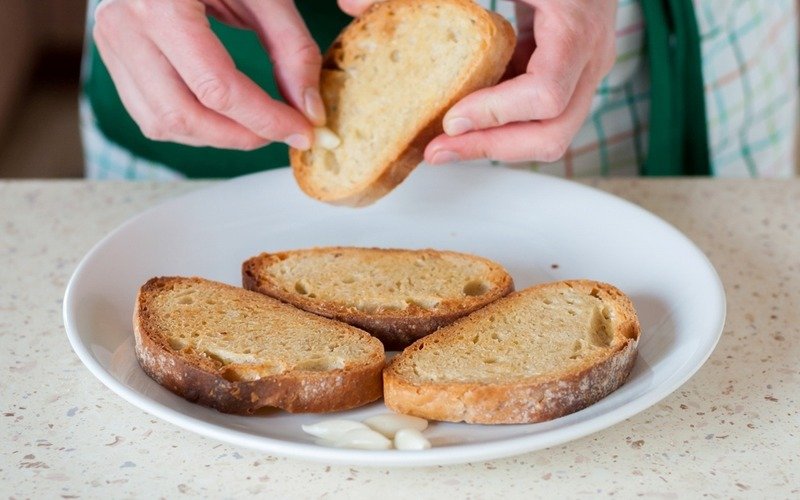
733	430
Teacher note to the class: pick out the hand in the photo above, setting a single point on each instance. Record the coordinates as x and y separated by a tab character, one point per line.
179	83
564	49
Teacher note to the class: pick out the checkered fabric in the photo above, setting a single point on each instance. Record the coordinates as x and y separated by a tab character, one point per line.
749	50
613	141
105	159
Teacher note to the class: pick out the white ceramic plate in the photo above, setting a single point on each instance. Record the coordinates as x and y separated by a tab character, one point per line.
540	228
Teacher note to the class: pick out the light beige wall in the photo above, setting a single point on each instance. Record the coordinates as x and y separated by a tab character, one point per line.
16	53
26	27
59	22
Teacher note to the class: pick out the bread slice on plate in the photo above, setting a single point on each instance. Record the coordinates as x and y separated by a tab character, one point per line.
397	295
387	82
535	355
238	351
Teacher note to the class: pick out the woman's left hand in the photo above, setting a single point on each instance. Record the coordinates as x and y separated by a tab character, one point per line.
565	48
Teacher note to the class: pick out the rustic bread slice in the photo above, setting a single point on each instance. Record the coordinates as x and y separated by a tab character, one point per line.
238	351
387	82
396	295
535	355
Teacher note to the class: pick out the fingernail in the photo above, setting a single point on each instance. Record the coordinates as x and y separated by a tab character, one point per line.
457	125
442	157
298	141
315	108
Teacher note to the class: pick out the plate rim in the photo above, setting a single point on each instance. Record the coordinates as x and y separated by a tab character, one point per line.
445	455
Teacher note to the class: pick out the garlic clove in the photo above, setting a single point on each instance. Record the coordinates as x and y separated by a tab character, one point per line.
389	423
332	429
362	439
325	138
410	439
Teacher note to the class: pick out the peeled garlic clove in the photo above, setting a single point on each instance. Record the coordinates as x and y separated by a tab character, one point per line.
325	138
332	429
362	439
389	423
410	439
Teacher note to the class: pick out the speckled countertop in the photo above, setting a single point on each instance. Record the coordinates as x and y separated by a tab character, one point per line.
733	430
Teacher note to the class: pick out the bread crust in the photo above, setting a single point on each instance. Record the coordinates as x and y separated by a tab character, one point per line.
500	46
527	400
200	380
396	329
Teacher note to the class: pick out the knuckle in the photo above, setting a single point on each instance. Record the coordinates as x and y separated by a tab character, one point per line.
102	14
268	127
307	52
152	130
595	32
571	40
168	125
106	19
590	28
553	99
142	8
297	50
489	148
174	123
111	16
552	151
485	150
214	93
493	111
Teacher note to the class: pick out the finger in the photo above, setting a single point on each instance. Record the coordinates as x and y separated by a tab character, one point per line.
356	7
295	56
132	99
541	93
184	36
159	101
545	141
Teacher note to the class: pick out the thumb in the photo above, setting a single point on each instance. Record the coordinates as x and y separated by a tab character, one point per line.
356	7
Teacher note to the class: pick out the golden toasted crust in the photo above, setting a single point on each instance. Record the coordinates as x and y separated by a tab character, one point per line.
500	40
396	329
526	400
205	381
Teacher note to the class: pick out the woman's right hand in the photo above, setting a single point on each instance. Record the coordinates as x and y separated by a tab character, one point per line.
179	83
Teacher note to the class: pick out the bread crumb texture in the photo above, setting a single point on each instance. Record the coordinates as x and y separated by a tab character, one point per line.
534	355
383	280
386	78
535	336
246	335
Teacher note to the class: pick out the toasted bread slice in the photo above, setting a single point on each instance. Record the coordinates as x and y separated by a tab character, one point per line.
535	355
396	295
238	351
387	82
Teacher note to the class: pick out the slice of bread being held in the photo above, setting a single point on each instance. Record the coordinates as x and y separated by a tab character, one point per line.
397	295
387	82
238	351
535	355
